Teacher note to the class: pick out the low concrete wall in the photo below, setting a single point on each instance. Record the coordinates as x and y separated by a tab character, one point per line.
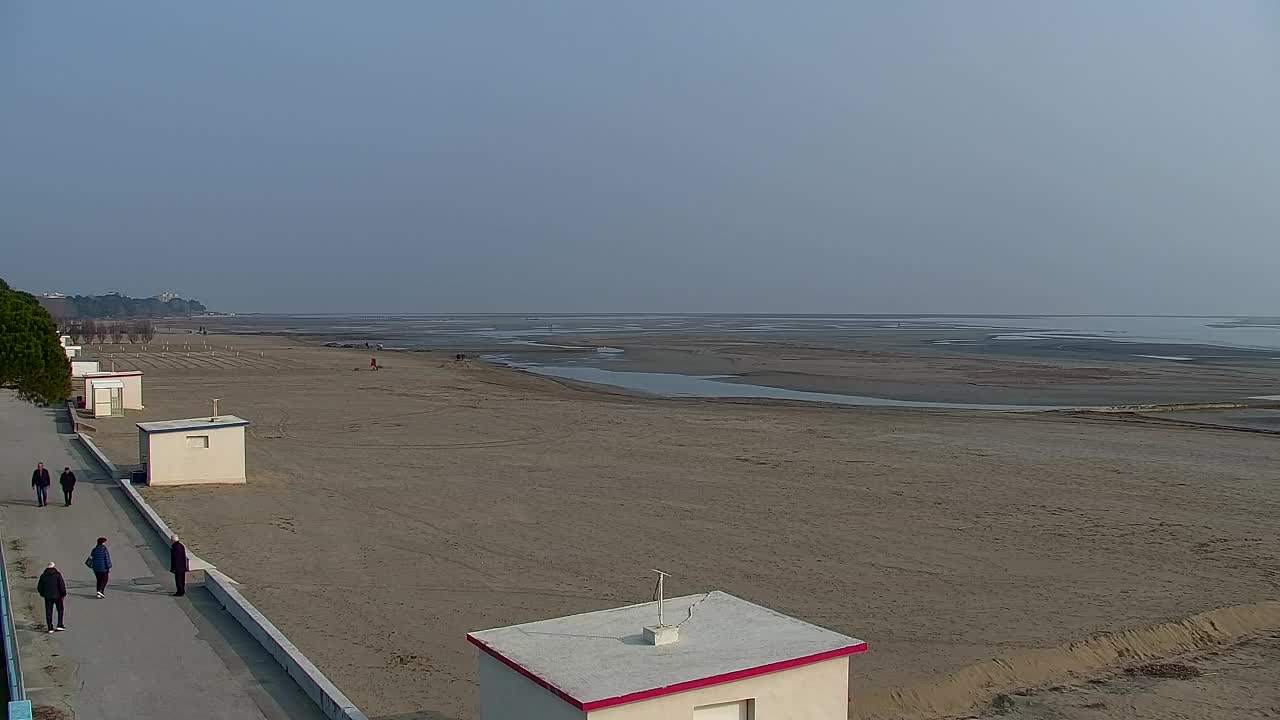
199	569
153	518
324	693
112	471
19	708
313	682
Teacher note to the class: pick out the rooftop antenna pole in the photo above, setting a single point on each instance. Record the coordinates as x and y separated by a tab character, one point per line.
661	594
215	407
662	633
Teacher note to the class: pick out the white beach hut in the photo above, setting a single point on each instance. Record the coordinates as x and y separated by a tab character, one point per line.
67	347
111	393
80	368
724	659
193	451
103	397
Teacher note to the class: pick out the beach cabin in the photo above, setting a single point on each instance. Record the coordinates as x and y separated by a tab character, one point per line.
192	451
80	368
67	347
103	397
109	394
716	658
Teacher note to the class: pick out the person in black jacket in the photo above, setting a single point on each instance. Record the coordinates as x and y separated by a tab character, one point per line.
179	565
99	561
52	588
40	481
68	482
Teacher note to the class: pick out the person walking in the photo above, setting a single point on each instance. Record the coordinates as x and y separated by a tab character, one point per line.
99	561
40	481
54	591
68	482
179	565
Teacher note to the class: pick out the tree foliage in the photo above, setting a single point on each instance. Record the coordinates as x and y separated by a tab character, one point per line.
31	359
140	330
115	305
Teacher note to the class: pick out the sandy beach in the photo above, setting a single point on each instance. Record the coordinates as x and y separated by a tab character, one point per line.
388	513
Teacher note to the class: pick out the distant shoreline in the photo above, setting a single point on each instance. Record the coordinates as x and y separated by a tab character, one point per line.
919	363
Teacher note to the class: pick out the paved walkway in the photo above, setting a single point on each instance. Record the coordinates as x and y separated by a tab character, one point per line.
138	654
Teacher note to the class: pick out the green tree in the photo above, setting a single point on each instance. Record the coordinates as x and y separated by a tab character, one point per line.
31	360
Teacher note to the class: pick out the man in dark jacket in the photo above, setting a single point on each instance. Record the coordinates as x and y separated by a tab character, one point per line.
68	482
100	562
40	481
52	588
179	565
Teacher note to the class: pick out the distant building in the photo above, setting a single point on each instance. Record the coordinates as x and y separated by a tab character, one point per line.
723	659
58	305
196	450
165	297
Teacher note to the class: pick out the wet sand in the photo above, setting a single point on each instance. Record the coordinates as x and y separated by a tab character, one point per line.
885	366
390	512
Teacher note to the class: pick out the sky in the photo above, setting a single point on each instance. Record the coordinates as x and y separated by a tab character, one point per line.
1011	156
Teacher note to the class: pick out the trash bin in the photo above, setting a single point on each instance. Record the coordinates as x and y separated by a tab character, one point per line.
80	402
138	477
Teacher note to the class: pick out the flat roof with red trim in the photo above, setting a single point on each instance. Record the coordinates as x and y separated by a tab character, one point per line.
600	659
112	373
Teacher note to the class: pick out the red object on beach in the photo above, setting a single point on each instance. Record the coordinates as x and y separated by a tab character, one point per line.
373	363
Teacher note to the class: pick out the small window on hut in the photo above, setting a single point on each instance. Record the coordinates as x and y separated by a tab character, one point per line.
197	441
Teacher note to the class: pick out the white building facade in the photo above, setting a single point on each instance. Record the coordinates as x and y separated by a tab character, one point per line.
193	451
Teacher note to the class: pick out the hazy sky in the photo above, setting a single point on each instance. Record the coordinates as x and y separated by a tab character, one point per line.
713	156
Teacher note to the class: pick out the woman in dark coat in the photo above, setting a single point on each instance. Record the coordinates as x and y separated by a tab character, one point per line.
100	562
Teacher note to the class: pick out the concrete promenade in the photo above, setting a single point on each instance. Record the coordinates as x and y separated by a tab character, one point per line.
139	653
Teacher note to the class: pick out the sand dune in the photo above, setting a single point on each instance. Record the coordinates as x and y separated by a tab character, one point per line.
1073	662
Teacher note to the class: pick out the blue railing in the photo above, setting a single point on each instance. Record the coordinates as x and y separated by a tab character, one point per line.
12	663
